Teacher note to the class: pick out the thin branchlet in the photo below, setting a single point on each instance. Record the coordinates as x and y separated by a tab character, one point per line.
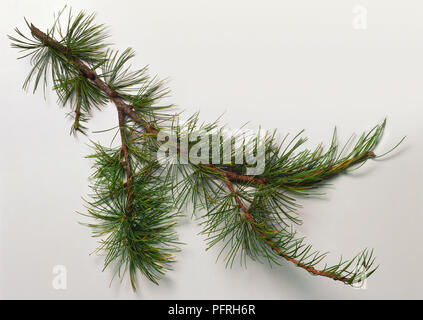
134	197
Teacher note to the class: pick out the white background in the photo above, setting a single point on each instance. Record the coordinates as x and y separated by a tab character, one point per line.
279	64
